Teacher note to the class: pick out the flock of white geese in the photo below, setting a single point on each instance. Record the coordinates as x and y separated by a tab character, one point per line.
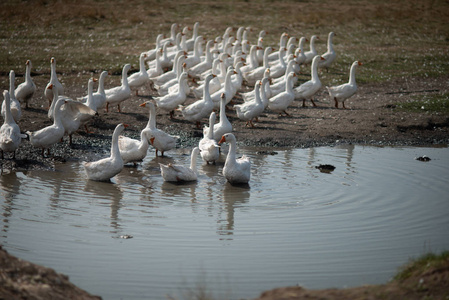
219	70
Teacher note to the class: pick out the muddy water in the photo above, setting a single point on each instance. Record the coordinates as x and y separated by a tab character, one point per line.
291	225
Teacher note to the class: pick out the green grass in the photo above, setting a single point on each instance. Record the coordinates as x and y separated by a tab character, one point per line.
420	265
433	103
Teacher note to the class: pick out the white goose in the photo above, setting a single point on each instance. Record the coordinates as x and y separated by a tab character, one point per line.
191	42
214	85
281	101
116	95
195	59
347	90
106	168
159	139
179	173
236	171
151	54
278	85
251	60
252	109
165	61
251	77
171	101
85	115
99	97
278	69
173	28
223	126
209	149
312	52
249	96
282	44
10	136
167	76
25	90
196	111
16	111
311	87
50	135
330	55
157	70
227	89
265	91
206	64
53	81
133	150
139	79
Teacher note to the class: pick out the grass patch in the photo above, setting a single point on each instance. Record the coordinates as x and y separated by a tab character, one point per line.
437	103
423	264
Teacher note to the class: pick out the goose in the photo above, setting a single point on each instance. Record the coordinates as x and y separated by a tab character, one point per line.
10	136
251	60
209	148
258	73
290	45
236	171
278	85
278	69
106	168
132	150
330	55
116	95
237	79
173	28
50	135
167	76
159	139
195	58
53	81
312	52
15	109
265	91
249	96
73	113
309	88
223	126
191	42
90	103
151	54
201	108
157	70
282	44
99	97
179	173
300	56
251	109
347	90
227	89
184	33
139	79
171	101
25	90
165	60
172	49
214	84
204	65
281	101
261	51
164	89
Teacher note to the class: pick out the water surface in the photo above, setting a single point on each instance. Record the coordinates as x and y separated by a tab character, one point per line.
291	225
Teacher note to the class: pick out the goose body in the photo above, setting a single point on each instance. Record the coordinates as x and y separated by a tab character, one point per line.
15	108
252	109
312	52
54	82
191	42
278	85
223	126
198	110
117	95
157	69
140	78
281	101
252	76
251	95
99	97
309	88
347	90
204	65
25	90
10	136
132	150
50	135
300	56
179	173
209	148
236	171
159	139
227	89
106	168
171	101
330	55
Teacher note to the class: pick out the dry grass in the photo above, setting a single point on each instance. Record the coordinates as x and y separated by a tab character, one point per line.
393	39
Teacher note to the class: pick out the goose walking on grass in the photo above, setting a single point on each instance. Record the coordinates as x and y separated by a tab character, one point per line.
116	95
309	88
330	55
347	90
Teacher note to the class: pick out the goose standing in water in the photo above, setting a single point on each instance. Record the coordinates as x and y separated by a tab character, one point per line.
209	148
179	173
236	171
106	168
10	136
16	111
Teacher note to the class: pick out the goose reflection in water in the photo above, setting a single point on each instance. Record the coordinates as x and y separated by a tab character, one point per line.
9	189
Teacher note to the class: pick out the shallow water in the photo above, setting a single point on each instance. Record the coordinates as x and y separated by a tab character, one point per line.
291	225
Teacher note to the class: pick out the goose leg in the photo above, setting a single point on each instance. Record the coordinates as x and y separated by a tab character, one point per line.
107	106
344	105
303	102
336	102
313	102
118	106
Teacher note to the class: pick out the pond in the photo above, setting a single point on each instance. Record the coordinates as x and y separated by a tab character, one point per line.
139	237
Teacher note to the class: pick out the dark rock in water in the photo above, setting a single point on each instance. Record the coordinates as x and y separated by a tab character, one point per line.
423	158
325	168
265	152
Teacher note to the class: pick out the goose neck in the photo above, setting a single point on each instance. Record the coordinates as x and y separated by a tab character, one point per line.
152	117
12	78
8	116
352	74
115	151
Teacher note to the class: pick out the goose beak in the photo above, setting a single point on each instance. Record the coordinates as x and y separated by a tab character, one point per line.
152	140
360	63
222	140
94	79
125	125
143	104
